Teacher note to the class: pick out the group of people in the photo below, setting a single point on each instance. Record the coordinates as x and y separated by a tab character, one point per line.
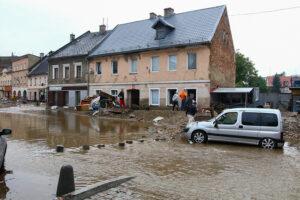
187	104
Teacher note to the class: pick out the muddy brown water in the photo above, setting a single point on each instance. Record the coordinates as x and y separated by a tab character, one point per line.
176	170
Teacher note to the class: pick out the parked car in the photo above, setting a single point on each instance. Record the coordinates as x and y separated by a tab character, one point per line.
3	146
257	126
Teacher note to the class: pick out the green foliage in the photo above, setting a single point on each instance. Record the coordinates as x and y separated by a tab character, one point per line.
246	74
276	83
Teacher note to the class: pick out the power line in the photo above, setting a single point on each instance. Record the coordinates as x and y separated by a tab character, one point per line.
266	11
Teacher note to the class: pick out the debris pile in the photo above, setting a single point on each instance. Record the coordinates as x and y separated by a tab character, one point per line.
291	125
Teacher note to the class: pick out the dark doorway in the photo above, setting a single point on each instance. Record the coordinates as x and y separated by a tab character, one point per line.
192	93
34	97
133	99
170	94
24	94
19	93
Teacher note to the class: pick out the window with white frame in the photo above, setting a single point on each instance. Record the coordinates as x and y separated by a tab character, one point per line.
34	81
98	92
55	73
155	64
154	97
78	69
133	65
114	67
24	79
40	81
99	68
114	93
191	61
30	81
45	80
66	71
172	62
24	66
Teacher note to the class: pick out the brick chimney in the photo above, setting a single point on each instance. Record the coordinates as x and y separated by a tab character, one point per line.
168	12
102	28
153	15
72	37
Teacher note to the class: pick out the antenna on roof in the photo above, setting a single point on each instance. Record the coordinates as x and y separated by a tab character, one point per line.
107	22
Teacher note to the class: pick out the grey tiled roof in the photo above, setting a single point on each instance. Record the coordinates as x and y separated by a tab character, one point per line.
81	45
40	68
190	27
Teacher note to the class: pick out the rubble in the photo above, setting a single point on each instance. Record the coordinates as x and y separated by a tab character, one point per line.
291	125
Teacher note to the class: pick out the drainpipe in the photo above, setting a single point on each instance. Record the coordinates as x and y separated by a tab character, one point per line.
88	83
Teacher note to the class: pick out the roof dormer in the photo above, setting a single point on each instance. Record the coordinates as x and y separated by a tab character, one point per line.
162	27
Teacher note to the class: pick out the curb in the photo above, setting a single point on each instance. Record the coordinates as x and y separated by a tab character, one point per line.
96	188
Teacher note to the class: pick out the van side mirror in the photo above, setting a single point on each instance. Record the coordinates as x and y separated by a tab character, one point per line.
216	123
5	132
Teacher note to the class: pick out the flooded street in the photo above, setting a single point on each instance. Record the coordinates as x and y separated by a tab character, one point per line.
162	170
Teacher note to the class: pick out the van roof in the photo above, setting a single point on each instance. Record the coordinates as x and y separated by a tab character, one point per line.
265	110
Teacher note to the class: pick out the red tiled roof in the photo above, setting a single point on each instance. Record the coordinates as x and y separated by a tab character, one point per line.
283	79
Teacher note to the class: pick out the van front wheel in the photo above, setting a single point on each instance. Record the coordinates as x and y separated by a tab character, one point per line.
268	143
199	137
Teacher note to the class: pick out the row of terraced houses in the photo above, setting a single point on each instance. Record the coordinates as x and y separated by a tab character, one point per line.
150	59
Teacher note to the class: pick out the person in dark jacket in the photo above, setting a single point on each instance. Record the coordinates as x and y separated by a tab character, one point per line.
191	111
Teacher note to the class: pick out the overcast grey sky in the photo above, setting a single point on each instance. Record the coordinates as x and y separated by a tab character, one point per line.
271	40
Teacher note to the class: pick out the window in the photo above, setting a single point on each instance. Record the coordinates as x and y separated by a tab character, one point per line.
268	119
155	64
24	79
114	93
66	71
114	67
24	66
191	61
40	81
99	68
133	65
154	97
45	80
55	73
98	92
35	81
172	62
228	118
78	71
31	82
250	119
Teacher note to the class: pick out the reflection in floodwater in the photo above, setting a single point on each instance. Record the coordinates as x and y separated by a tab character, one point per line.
163	170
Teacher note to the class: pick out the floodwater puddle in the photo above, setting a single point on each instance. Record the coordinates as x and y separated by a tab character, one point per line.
162	170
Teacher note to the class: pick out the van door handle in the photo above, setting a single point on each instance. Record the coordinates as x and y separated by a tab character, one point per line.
240	126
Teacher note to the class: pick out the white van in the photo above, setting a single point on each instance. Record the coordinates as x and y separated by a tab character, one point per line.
257	126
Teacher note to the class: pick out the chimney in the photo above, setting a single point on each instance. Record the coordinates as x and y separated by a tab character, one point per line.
153	15
72	37
41	55
102	28
168	12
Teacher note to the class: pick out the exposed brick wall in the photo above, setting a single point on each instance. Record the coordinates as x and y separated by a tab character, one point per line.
222	56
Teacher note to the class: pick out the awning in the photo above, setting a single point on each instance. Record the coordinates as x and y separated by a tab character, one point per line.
232	90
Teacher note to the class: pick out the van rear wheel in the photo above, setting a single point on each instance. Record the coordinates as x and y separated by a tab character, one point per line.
199	137
268	143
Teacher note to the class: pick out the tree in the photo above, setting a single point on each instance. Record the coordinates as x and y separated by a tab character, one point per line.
276	83
246	74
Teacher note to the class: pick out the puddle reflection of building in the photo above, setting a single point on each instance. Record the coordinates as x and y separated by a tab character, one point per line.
69	130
